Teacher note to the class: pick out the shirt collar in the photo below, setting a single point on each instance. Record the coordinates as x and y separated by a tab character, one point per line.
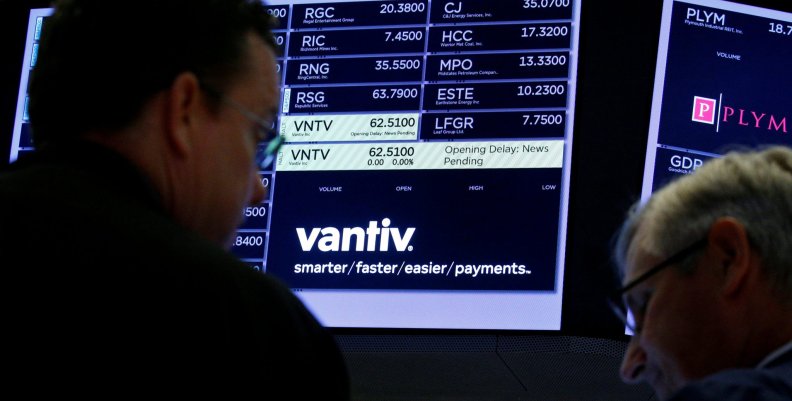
775	354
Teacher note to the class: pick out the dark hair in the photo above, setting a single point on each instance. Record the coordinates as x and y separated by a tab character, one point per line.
101	60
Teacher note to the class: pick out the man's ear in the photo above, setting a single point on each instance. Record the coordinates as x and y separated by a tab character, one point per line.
732	251
183	103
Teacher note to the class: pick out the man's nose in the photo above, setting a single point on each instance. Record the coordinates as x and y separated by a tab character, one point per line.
634	362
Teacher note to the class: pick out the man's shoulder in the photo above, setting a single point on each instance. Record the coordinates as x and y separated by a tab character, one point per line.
767	384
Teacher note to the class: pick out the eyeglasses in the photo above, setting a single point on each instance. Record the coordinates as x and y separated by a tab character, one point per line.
266	133
633	320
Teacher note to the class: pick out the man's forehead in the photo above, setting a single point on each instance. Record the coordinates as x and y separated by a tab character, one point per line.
637	259
260	76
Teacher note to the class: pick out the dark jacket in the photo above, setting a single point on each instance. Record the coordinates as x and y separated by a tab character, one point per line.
772	382
107	291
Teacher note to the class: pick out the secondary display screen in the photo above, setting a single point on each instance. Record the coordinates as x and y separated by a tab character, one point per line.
424	181
722	81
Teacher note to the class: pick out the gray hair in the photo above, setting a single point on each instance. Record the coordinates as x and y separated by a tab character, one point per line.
754	187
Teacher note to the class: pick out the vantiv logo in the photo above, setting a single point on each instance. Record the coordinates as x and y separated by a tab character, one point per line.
373	238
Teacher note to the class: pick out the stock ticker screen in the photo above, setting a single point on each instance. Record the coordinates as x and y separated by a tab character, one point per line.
424	179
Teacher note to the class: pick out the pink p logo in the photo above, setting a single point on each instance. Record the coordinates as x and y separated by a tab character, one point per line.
704	110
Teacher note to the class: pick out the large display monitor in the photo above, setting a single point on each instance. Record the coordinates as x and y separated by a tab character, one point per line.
424	182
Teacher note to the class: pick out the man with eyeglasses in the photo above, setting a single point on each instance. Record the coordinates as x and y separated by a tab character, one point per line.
707	294
150	119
